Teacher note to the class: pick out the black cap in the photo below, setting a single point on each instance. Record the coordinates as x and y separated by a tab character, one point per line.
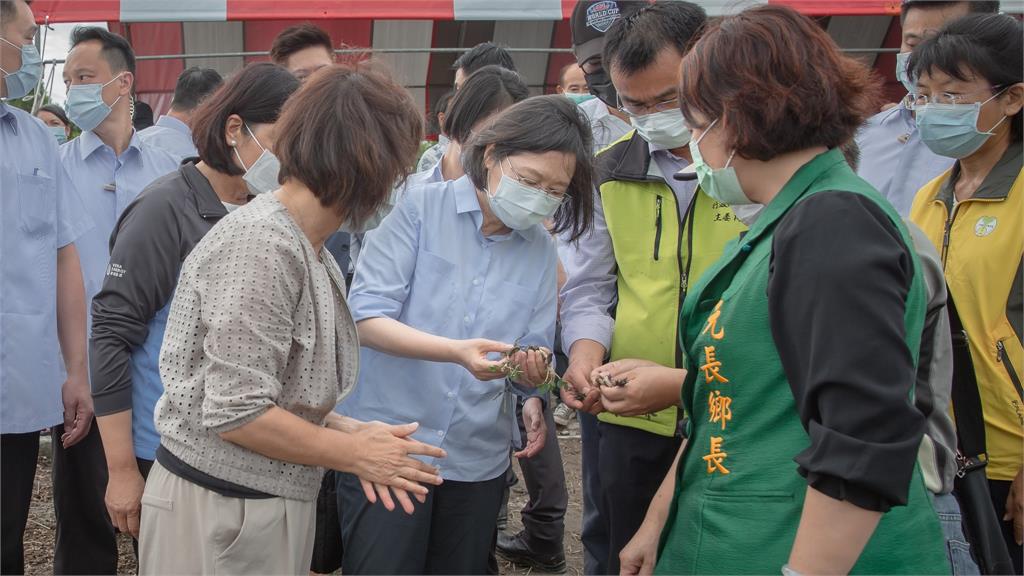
591	19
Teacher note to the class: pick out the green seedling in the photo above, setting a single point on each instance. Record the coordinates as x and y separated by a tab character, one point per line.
552	382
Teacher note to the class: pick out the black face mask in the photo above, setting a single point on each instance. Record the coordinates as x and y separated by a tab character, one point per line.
601	86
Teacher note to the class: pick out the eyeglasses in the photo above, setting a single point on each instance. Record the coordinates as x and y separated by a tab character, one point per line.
634	110
915	100
560	195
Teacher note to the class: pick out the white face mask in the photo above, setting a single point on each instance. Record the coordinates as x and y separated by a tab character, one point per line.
519	206
261	177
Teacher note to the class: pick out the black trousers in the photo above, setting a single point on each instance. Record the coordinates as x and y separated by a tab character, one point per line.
631	466
452	533
18	455
1000	491
85	542
544	514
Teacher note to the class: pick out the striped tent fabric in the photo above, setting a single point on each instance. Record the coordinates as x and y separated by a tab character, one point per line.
216	27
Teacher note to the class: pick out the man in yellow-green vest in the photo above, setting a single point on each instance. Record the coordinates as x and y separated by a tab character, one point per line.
653	236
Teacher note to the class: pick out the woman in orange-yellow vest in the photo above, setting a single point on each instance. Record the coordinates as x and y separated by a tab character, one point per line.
968	107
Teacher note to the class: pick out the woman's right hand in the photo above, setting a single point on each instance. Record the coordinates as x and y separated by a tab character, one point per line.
472	355
124	499
383	461
641	554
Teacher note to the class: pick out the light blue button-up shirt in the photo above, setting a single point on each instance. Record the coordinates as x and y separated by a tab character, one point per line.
428	266
893	158
40	212
172	136
107	184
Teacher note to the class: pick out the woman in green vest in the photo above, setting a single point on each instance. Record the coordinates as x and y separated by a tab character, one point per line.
802	340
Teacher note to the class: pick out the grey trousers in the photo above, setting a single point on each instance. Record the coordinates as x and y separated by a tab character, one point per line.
544	476
187	529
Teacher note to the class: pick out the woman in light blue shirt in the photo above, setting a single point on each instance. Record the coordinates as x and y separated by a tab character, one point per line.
454	274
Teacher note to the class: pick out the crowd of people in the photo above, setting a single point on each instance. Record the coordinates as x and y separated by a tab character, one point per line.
272	332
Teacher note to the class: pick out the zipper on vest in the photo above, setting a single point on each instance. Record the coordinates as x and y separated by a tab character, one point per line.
946	232
1005	359
686	221
657	226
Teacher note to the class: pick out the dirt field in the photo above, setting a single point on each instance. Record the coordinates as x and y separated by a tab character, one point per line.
39	533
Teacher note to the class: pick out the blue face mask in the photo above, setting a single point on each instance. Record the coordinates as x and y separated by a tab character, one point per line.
20	82
85	105
59	133
951	130
901	72
578	98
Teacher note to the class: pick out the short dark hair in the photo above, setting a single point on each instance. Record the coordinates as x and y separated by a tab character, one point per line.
634	42
195	84
537	125
296	38
350	135
7	9
851	151
440	107
818	96
53	108
116	50
973	6
986	45
489	90
256	94
484	54
142	115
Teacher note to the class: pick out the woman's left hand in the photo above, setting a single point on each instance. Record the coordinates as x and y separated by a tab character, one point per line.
534	365
536	428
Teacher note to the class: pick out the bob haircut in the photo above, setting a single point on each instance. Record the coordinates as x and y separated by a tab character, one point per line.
534	126
256	94
488	90
349	135
774	54
985	45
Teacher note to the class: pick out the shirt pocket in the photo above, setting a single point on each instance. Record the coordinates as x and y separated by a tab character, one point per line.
37	204
431	300
518	312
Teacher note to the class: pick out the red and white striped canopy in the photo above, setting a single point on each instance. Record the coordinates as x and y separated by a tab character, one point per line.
225	10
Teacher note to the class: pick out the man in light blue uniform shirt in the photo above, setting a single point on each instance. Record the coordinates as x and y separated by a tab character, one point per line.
893	158
172	133
109	163
42	314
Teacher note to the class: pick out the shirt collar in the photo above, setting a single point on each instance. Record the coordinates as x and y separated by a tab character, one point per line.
209	204
175	124
90	143
7	116
996	185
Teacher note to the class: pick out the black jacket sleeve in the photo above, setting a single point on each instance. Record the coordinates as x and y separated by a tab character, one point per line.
837	291
145	260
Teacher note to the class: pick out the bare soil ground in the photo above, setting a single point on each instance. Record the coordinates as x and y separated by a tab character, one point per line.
39	534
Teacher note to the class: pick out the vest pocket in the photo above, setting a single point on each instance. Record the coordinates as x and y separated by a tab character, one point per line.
657	226
748	532
1004	357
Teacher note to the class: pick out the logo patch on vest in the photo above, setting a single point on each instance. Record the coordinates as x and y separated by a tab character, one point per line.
602	15
985	226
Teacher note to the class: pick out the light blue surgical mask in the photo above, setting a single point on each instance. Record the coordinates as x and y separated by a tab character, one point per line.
663	129
721	184
519	206
60	133
20	82
85	105
578	99
261	177
951	130
902	74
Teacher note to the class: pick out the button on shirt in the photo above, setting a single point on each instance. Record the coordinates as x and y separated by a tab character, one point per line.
172	136
429	267
107	184
893	158
590	288
40	213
